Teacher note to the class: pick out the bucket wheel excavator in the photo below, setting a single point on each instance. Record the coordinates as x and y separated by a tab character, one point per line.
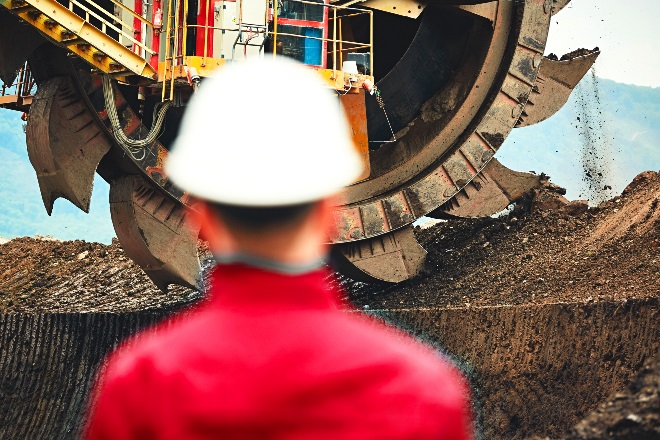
432	88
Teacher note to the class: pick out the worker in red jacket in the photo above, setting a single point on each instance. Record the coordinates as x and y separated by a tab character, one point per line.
272	353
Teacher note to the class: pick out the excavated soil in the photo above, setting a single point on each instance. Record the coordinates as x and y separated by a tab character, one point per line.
593	271
38	275
545	251
631	414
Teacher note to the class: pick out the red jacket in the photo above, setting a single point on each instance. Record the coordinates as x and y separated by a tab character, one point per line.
274	356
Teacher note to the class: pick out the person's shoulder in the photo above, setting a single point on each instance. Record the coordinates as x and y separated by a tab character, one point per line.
157	348
373	337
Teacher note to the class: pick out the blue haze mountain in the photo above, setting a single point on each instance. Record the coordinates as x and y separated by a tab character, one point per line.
622	129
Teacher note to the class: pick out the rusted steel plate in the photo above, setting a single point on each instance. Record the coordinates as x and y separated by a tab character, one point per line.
65	145
558	5
554	86
356	111
155	232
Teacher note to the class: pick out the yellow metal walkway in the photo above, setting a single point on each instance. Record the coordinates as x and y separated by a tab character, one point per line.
78	35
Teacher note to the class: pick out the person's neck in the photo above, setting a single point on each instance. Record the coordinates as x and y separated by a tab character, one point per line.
294	248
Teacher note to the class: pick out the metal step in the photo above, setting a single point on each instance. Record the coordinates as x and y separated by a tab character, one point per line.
61	25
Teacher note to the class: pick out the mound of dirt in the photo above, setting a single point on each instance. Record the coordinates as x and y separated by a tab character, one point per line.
547	250
631	414
46	275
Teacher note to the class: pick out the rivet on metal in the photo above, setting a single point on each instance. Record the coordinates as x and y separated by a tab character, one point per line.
516	111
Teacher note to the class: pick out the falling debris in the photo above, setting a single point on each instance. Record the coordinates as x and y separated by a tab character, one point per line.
596	150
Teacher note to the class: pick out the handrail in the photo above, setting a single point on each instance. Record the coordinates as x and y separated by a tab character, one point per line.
105	24
23	84
337	41
133	13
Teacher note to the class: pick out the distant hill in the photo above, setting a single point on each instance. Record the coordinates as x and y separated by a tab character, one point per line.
21	210
619	124
624	121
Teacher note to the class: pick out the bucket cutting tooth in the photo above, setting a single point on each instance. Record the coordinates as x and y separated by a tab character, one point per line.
558	5
495	188
155	232
392	257
65	144
554	84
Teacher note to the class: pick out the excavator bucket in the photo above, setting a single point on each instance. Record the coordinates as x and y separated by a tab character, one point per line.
391	258
65	143
554	85
155	232
491	192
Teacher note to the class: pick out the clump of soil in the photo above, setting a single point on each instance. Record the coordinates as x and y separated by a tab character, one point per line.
578	53
547	250
631	414
41	275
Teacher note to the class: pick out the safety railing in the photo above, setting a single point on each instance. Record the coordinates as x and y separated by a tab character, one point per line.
339	46
332	44
24	85
113	25
333	37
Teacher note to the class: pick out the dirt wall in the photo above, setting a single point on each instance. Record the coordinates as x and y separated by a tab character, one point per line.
550	311
48	363
537	370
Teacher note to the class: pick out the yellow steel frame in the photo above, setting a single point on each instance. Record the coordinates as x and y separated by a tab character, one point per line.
79	36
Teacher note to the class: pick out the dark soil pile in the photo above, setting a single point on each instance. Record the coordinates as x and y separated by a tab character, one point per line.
631	414
75	276
545	251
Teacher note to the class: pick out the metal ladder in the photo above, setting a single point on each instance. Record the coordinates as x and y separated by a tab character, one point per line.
175	44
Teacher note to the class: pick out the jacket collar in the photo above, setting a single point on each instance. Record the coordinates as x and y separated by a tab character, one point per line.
268	264
241	286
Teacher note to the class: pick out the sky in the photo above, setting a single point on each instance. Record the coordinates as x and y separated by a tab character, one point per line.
626	31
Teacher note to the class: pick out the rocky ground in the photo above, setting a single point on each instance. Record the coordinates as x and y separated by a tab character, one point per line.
46	275
633	413
546	250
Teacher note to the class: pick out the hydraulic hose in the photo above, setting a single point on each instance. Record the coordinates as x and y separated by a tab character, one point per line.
135	146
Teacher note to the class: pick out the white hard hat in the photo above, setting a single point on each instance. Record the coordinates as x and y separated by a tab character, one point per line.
264	132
